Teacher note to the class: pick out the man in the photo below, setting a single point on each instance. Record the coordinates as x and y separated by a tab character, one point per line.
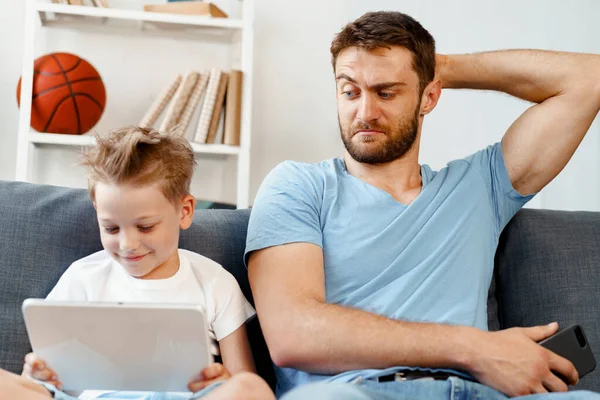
373	270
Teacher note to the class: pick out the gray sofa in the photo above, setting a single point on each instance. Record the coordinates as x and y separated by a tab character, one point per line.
547	264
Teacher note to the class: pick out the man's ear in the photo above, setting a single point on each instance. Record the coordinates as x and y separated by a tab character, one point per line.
188	205
430	97
94	204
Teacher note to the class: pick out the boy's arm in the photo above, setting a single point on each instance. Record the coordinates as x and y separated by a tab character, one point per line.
236	353
237	358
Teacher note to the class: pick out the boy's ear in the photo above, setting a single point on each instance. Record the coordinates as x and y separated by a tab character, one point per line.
188	205
94	204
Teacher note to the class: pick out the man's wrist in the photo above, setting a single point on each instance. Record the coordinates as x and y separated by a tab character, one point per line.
441	66
464	347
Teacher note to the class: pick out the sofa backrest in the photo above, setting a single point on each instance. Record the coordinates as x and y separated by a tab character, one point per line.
548	269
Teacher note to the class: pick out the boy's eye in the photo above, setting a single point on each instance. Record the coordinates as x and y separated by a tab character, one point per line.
146	228
111	229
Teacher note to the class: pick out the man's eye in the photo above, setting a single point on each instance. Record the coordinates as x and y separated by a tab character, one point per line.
146	228
384	95
111	229
349	93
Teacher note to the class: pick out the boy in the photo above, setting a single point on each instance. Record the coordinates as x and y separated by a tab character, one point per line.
139	183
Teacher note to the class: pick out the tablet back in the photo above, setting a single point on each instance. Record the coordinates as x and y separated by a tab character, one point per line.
116	346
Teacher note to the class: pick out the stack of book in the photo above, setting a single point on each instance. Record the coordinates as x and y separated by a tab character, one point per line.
213	98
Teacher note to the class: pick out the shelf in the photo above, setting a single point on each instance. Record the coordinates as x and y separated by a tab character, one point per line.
87	140
62	140
197	21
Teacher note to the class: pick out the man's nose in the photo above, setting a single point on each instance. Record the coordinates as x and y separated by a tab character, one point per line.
368	109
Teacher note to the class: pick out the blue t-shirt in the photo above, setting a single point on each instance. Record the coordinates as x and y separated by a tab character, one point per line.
431	260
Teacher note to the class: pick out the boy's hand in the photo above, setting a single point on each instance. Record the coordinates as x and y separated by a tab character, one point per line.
36	368
209	375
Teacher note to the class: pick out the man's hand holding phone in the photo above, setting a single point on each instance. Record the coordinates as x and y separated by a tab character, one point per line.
512	361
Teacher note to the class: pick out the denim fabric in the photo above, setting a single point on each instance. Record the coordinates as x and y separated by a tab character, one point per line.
421	389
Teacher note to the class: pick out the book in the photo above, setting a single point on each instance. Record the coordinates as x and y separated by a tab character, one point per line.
194	101
160	103
233	109
220	98
208	106
187	8
76	2
220	127
179	101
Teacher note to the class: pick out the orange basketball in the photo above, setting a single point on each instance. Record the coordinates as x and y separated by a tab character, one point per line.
68	94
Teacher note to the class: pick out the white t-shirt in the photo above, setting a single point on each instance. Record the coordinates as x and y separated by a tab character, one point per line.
199	280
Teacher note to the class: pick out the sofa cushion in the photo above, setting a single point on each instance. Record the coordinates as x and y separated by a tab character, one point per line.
45	228
548	269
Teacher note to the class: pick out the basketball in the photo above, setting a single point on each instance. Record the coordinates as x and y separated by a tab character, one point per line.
68	94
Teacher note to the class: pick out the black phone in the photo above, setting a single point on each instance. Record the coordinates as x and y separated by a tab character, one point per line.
572	344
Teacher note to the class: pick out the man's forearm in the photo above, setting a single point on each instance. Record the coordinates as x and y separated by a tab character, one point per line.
326	338
532	75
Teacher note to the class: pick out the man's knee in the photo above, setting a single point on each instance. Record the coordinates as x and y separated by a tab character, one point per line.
327	391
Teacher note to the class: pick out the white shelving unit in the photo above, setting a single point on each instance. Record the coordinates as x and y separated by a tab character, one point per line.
239	33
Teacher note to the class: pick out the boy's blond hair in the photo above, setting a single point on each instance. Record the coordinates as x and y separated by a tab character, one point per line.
141	156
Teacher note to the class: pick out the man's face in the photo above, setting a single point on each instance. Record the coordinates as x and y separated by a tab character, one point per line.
378	103
139	228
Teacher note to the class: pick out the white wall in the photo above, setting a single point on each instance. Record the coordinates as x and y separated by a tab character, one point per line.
11	53
294	115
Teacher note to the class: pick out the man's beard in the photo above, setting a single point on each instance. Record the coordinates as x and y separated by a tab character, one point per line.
395	145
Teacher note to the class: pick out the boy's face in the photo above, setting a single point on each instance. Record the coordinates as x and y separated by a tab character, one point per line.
139	228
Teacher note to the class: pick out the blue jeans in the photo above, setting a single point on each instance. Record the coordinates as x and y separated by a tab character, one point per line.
451	389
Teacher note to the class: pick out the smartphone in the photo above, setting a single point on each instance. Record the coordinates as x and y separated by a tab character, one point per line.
572	344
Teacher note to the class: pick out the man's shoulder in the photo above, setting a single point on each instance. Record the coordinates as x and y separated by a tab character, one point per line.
481	156
330	166
296	173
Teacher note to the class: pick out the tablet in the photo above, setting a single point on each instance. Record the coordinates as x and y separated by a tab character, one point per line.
119	346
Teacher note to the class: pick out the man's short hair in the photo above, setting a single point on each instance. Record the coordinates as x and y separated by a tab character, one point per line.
384	29
139	157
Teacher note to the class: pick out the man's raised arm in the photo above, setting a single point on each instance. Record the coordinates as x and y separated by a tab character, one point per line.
566	87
